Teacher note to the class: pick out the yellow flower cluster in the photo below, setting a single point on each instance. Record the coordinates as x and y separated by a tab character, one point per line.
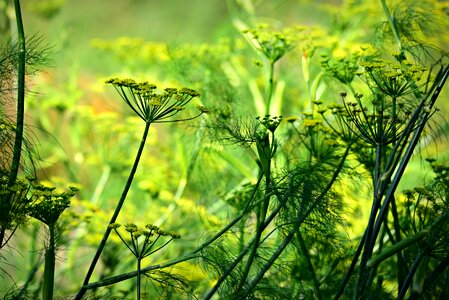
151	106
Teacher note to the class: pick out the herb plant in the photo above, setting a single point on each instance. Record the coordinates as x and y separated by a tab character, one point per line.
295	177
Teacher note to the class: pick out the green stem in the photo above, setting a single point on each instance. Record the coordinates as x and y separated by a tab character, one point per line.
414	128
49	270
396	248
400	261
298	223
424	116
270	88
20	96
138	277
100	248
310	267
406	242
193	255
261	217
405	285
392	24
369	241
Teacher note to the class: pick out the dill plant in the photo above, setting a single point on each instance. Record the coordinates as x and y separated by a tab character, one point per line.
290	210
152	107
141	243
22	198
285	213
19	57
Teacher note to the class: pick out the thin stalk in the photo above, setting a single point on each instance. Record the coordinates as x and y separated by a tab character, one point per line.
351	268
270	87
392	24
411	273
17	152
409	151
298	223
310	267
401	265
243	252
431	278
406	242
193	255
138	277
367	243
261	216
100	248
49	269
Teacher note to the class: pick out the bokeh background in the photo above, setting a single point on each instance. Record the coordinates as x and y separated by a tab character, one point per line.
86	136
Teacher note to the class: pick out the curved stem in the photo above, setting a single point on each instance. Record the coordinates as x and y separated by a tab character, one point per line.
20	96
100	248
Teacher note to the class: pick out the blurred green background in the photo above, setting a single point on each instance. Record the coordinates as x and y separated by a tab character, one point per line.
86	136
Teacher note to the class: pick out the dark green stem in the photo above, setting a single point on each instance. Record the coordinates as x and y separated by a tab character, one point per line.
405	285
132	274
392	24
406	242
243	252
261	217
49	270
298	223
310	267
17	152
270	88
193	255
138	277
401	265
100	248
368	242
433	95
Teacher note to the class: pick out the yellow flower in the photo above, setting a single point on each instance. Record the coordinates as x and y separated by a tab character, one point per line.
310	122
151	106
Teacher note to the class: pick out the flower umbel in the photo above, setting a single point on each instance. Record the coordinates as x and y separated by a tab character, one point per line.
343	69
48	205
273	44
141	240
151	106
392	78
